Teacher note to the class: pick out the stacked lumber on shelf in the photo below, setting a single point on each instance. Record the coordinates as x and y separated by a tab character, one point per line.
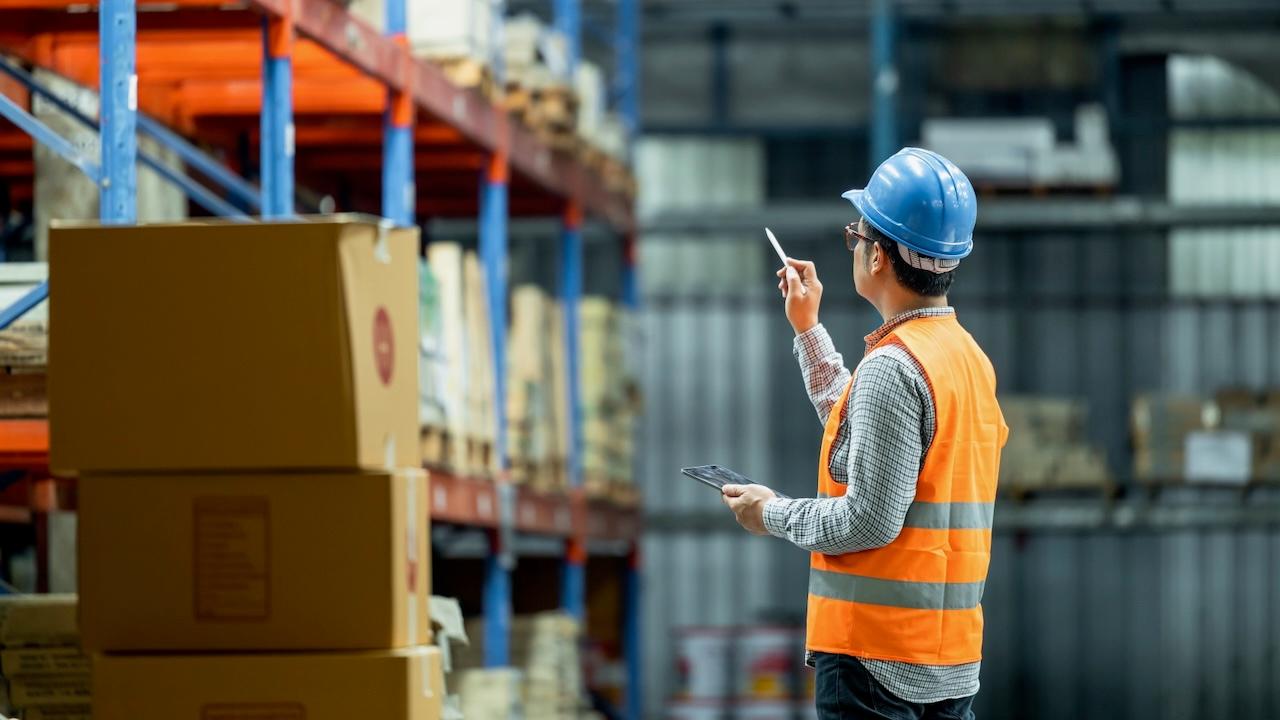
459	420
608	400
537	406
23	346
44	670
1047	449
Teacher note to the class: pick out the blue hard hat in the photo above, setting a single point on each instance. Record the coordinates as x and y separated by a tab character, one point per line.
922	200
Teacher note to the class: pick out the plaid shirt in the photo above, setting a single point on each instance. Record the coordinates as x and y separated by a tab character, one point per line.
880	463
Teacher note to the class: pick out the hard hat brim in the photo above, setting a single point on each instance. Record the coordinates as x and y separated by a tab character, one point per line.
886	227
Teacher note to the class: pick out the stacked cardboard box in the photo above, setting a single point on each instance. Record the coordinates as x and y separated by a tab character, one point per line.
1160	425
460	428
546	682
608	398
535	55
1047	448
235	450
45	672
537	400
1256	414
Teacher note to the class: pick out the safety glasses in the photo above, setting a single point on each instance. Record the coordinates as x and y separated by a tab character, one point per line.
852	236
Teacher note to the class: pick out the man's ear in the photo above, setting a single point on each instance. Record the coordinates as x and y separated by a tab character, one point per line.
879	260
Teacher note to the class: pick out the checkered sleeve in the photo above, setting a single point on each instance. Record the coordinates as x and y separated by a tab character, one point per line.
886	412
823	368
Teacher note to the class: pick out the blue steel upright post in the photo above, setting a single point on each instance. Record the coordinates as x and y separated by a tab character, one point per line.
884	83
399	196
493	254
626	48
573	577
568	20
632	587
118	83
277	115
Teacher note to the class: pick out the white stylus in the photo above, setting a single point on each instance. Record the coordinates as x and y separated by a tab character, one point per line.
782	256
776	247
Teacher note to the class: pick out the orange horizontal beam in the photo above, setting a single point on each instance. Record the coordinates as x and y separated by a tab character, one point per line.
244	97
23	437
166	55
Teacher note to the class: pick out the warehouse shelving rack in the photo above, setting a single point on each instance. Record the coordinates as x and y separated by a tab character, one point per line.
320	91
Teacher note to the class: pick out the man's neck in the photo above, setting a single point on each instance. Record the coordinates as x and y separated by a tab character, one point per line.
893	307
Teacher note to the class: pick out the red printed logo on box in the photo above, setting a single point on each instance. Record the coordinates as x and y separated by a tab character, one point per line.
384	345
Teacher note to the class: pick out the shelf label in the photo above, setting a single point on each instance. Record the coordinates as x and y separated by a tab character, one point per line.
440	497
232	578
484	506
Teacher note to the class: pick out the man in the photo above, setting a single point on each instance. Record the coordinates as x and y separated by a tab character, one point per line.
900	532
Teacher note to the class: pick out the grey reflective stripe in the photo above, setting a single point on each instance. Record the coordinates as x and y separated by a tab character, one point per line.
943	516
895	593
956	515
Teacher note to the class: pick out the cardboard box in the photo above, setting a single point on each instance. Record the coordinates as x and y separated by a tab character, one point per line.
62	712
27	620
49	690
21	662
263	562
402	684
225	346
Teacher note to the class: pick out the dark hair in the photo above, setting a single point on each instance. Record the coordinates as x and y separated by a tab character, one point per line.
921	282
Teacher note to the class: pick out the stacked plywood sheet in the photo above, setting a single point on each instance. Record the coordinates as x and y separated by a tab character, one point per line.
608	393
23	345
536	395
481	413
545	681
459	432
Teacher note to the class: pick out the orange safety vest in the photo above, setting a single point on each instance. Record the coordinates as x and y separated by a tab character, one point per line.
918	599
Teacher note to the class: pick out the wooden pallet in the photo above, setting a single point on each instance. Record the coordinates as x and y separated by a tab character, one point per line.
437	448
470	457
480	458
597	486
552	113
469	72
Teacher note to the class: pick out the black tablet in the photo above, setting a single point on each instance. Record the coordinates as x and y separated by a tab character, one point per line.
717	477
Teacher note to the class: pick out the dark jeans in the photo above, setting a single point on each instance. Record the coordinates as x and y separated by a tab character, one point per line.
846	690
